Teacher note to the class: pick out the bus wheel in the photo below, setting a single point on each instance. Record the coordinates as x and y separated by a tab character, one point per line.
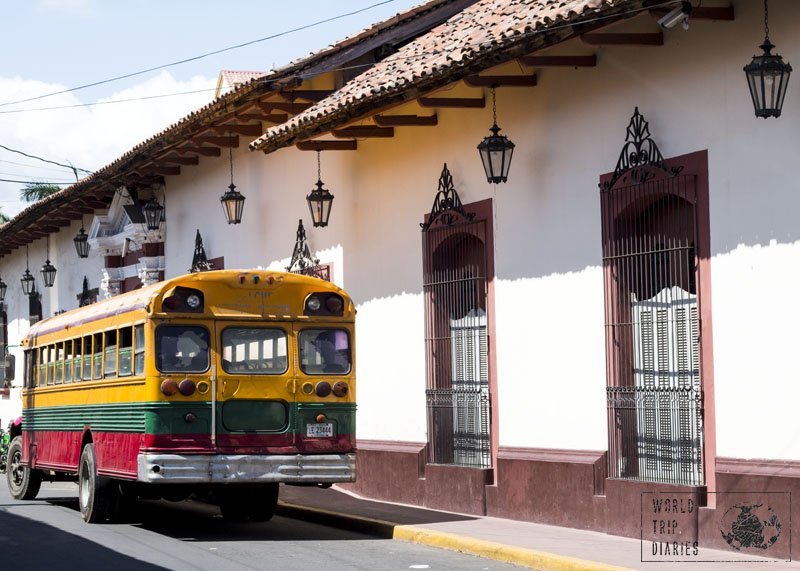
93	490
23	483
249	504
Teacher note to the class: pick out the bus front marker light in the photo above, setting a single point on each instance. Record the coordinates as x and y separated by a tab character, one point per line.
193	301
308	388
190	417
334	304
173	302
340	389
323	388
313	303
321	418
187	387
169	387
202	387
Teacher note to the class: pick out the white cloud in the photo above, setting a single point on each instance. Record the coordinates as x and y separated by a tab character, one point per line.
88	137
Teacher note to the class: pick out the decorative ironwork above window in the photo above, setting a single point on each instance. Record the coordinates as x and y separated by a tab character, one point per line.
302	260
87	296
639	153
200	261
446	204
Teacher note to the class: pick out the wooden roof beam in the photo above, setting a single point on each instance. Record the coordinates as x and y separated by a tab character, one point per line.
623	39
363	131
327	145
293	108
453	102
701	13
248	130
189	161
315	95
501	80
205	151
217	141
559	61
276	118
406	120
160	170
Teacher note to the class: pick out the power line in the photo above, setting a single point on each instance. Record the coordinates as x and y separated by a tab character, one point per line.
205	55
29	165
35	182
70	167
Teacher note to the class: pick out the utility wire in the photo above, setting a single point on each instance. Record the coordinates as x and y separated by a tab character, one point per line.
70	167
205	55
35	182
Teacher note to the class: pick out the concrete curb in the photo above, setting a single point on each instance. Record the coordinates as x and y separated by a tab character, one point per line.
497	551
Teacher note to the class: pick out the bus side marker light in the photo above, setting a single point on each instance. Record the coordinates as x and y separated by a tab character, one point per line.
340	389
202	387
187	387
169	387
308	388
323	388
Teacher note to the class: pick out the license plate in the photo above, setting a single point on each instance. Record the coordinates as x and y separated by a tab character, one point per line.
319	430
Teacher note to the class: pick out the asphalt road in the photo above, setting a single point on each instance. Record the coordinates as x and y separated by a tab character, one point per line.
48	533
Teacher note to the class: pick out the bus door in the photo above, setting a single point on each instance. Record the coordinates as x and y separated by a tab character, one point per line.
256	383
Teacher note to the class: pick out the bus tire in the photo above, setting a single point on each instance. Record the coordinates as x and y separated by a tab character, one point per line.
93	491
249	504
23	482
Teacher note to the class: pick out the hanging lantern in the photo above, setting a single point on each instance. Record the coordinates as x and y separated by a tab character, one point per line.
27	282
496	151
233	200
767	77
82	243
3	290
320	201
232	204
48	272
153	214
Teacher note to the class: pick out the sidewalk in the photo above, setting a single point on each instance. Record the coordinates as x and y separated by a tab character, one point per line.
525	544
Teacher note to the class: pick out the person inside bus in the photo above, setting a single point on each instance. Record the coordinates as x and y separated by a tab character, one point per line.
333	361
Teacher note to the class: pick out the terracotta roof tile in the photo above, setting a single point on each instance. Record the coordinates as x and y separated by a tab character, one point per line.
488	31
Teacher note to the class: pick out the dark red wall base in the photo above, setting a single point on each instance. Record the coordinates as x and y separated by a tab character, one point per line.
569	488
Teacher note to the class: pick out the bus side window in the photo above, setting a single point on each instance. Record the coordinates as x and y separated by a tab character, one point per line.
110	367
69	355
59	363
97	357
138	348
125	351
87	358
78	359
28	368
41	359
51	364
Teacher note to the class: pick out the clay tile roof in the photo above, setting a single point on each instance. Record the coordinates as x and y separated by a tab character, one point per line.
479	37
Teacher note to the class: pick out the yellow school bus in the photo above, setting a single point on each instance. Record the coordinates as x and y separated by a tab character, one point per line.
222	384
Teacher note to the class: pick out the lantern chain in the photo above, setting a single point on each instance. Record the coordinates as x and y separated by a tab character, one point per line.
230	154
319	170
766	20
494	105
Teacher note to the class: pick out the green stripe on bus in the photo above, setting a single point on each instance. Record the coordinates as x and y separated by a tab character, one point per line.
170	417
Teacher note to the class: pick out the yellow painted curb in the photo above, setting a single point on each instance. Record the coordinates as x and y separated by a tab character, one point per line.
488	549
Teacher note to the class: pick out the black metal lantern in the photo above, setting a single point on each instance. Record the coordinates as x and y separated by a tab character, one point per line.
767	77
82	243
320	201
233	200
3	290
48	272
153	214
27	278
496	151
232	204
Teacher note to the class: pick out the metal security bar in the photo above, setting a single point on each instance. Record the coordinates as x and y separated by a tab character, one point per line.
668	428
456	340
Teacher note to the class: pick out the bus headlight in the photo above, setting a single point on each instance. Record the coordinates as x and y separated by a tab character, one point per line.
313	303
193	301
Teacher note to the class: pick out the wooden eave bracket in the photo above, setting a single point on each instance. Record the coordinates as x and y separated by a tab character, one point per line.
169	159
232	141
239	129
559	61
406	120
205	151
501	80
453	102
315	95
363	132
326	145
623	39
285	106
702	13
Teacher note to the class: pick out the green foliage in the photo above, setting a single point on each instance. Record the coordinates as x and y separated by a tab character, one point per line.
36	191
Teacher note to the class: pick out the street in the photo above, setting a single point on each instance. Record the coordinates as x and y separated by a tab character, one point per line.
48	533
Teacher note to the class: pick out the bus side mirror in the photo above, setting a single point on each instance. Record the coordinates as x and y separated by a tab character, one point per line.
10	365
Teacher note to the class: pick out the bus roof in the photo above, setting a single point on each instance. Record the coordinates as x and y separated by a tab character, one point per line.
141	298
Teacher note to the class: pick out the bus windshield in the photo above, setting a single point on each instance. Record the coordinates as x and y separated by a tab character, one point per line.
254	351
181	349
325	351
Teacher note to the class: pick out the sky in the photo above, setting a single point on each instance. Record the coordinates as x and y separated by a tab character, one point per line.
54	45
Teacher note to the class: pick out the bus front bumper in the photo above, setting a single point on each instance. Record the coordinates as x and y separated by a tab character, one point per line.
245	469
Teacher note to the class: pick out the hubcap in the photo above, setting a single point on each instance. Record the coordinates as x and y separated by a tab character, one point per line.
16	469
84	486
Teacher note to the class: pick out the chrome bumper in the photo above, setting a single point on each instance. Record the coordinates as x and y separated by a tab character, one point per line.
245	469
